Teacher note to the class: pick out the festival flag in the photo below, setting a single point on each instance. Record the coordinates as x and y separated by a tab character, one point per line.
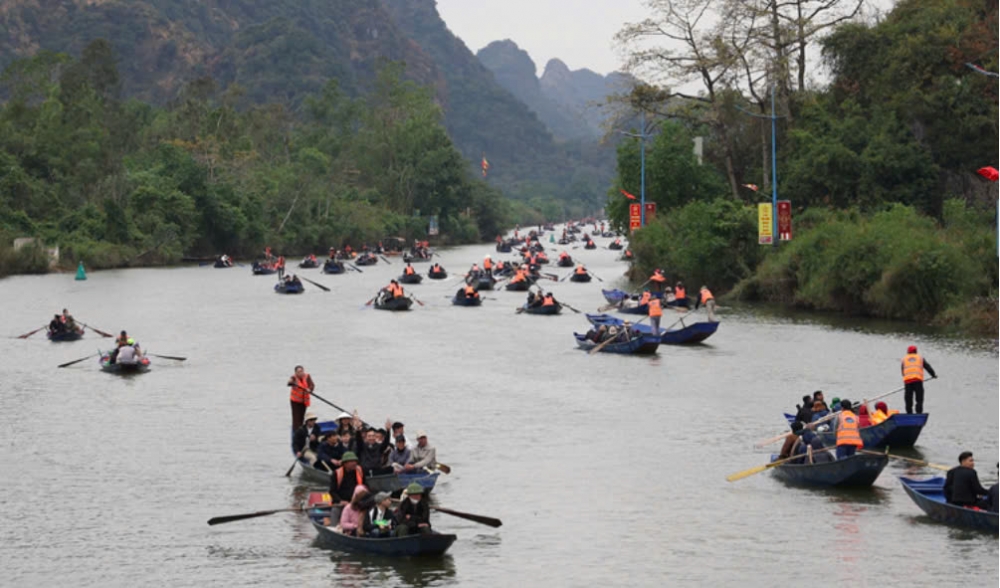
485	164
981	70
627	195
751	186
990	173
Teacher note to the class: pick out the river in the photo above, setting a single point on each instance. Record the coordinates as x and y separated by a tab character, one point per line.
606	470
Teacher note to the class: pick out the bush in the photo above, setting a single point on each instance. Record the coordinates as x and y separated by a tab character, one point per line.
30	259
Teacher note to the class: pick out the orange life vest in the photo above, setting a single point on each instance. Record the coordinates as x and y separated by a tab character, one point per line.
300	390
358	475
913	368
548	300
847	430
655	310
706	295
487	264
657	277
409	271
581	271
470	291
645	298
680	293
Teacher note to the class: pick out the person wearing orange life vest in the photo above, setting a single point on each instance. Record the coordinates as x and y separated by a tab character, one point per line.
881	413
657	280
912	367
646	297
470	292
655	312
581	270
548	300
680	295
848	436
488	265
706	299
346	478
408	270
301	384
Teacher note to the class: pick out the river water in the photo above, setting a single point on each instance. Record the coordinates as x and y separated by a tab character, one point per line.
605	470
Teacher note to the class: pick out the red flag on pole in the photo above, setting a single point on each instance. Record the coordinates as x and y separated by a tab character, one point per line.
485	165
627	195
990	173
750	187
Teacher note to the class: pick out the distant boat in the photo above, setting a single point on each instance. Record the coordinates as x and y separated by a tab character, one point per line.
80	273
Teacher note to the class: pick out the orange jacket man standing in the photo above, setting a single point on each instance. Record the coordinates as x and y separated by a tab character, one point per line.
912	367
301	384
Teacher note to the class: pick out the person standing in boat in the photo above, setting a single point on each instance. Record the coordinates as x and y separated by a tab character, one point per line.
680	296
413	514
848	435
962	487
488	266
655	311
706	299
912	367
302	385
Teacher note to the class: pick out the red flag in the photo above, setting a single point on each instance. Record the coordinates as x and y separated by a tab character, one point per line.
750	186
485	165
990	173
627	195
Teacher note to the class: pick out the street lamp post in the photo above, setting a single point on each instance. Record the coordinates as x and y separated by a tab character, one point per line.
642	136
774	165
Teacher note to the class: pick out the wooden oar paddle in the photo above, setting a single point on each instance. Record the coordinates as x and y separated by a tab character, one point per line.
385	259
320	286
570	307
288	474
26	335
918	462
414	298
75	361
355	268
482	520
595	276
758	469
98	331
168	357
251	515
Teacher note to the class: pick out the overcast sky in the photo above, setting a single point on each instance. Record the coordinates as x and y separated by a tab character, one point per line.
579	32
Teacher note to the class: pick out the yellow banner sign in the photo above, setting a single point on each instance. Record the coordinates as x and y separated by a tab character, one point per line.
765	224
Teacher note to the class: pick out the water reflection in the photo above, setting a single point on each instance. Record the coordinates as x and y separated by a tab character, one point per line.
351	570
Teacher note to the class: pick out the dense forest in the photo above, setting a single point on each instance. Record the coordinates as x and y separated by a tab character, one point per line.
890	217
118	182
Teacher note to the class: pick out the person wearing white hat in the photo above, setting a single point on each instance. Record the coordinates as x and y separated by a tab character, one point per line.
423	455
306	439
345	422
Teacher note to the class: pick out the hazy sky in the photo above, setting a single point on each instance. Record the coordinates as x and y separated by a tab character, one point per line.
579	32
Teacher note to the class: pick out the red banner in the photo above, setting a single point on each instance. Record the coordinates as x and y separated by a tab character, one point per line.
650	211
785	220
634	216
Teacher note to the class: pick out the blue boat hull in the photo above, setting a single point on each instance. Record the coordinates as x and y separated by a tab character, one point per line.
437	275
582	278
65	336
123	368
689	335
464	301
899	430
411	279
291	288
929	496
858	471
543	310
334	267
644	345
424	545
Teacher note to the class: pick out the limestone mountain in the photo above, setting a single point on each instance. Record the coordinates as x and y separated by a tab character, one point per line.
582	92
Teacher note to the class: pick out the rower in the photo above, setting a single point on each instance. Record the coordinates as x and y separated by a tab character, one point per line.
848	437
706	299
655	312
658	280
470	292
548	299
56	325
581	270
301	384
346	478
912	368
488	265
680	295
962	487
408	270
413	514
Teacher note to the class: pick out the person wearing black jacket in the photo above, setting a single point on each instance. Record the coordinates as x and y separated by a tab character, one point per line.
961	486
370	452
332	450
805	413
380	519
346	478
305	441
413	514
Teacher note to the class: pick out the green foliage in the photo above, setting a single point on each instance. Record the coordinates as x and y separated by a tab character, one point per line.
121	183
712	243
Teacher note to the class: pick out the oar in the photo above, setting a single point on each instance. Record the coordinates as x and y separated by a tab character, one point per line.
611	339
288	474
570	307
563	279
251	515
369	303
780	437
919	462
26	335
593	275
675	322
385	259
355	268
98	331
320	286
759	469
444	468
67	364
482	520
168	357
414	298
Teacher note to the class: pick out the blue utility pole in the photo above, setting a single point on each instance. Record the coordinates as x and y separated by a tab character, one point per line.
774	171
642	173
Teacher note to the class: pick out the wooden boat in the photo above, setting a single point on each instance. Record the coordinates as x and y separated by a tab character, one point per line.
410	258
543	310
366	259
641	345
466	301
284	287
857	471
616	246
139	367
309	263
411	279
64	336
590	245
395	304
332	266
565	262
504	247
929	496
387	483
441	275
687	335
899	430
264	269
580	278
219	264
420	545
615	296
482	282
518	286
